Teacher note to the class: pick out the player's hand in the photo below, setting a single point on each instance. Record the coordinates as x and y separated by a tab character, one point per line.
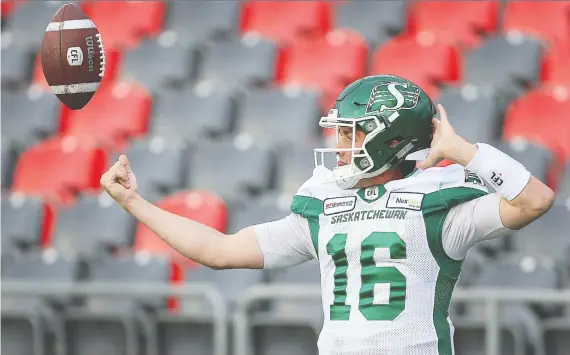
120	181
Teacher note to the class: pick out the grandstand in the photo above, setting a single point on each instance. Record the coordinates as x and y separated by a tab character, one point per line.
216	103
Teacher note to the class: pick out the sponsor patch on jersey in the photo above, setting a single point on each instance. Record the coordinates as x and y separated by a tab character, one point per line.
406	200
339	204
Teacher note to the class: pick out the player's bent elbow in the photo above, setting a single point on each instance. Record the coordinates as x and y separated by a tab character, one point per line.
544	201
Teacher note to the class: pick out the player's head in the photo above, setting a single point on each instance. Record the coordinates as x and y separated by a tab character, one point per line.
394	116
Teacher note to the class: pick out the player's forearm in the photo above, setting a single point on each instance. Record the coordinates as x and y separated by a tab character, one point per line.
525	198
194	240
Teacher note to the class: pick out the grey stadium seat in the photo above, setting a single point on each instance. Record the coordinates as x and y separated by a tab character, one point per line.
253	212
160	63
232	170
547	237
16	66
280	117
504	65
291	327
29	116
564	184
9	158
188	115
119	324
296	168
92	227
534	157
192	327
237	64
557	335
25	216
376	21
196	22
28	23
159	165
475	114
29	323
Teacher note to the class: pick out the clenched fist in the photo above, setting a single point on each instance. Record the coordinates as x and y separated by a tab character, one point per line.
120	181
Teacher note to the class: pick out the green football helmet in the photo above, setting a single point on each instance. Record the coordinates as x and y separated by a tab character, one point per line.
387	108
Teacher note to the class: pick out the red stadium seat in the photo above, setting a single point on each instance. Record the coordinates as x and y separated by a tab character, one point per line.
284	21
58	168
124	23
115	114
542	116
7	6
460	22
549	20
200	206
556	65
325	64
416	60
112	60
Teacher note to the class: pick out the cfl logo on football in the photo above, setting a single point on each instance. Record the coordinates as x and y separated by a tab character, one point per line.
74	56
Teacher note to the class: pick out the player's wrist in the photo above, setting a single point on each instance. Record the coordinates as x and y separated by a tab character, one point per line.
130	203
460	151
506	175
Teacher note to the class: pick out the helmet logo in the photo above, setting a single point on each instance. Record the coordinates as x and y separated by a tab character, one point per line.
393	97
364	163
370	126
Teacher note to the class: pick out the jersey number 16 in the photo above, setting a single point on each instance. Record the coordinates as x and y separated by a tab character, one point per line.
371	275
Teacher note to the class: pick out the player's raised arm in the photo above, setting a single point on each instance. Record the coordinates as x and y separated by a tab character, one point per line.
196	241
524	197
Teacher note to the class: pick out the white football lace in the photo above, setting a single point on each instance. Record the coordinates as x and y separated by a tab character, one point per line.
101	54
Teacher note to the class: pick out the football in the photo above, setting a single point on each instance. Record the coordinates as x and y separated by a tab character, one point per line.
72	56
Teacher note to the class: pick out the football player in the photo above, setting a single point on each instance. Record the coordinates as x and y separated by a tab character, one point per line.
389	229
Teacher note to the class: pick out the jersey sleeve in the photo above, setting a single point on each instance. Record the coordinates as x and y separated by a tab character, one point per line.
471	222
285	242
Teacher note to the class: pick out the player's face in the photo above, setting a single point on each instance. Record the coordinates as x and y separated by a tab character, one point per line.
345	136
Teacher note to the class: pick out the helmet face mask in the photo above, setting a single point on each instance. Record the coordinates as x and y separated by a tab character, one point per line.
395	115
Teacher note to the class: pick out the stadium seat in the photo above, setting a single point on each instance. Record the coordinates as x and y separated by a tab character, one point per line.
547	237
375	21
191	328
399	56
325	64
293	114
542	115
6	8
92	227
28	116
114	115
131	21
475	115
191	114
290	327
453	22
535	158
197	22
238	63
203	207
58	168
557	335
159	63
25	216
233	170
552	25
29	322
27	23
555	68
118	322
9	157
245	214
564	187
504	65
16	64
285	21
159	166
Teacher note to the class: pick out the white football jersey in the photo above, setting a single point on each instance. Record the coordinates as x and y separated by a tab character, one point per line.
385	276
386	280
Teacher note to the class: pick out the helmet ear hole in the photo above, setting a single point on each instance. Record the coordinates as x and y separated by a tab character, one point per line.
394	141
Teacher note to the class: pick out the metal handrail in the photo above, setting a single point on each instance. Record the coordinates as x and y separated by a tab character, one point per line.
491	296
190	290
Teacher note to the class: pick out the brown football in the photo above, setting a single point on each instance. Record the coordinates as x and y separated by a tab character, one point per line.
73	57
